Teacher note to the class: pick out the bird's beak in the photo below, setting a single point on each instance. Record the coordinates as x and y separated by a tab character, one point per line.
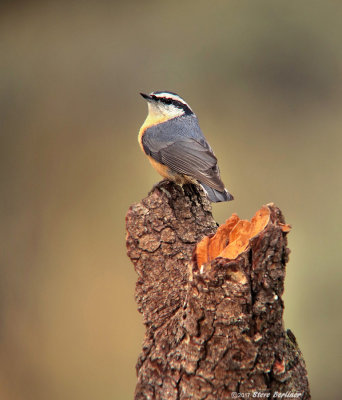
146	96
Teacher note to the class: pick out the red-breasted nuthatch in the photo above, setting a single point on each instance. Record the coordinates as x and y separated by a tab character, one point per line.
176	147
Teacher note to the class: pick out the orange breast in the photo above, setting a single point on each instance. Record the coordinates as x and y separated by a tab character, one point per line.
163	170
151	120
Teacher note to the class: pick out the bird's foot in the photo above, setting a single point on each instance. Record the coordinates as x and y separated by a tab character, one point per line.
191	189
160	185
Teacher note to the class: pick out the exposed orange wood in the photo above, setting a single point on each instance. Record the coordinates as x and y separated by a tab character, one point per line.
232	238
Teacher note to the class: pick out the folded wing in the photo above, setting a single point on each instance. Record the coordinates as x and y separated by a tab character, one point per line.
184	152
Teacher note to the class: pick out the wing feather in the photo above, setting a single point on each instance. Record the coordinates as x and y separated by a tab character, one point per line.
184	153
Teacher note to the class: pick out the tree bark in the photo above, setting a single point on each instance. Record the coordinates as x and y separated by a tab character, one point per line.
213	330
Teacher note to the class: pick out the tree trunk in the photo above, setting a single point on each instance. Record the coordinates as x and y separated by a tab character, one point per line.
212	305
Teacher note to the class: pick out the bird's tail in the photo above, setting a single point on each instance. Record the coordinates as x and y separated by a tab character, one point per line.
215	196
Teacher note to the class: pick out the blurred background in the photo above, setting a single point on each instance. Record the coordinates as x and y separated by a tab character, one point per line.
264	79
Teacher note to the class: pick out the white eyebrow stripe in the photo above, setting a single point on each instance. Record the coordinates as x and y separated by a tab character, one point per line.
171	96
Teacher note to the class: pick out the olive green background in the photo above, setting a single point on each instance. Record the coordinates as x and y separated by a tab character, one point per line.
264	78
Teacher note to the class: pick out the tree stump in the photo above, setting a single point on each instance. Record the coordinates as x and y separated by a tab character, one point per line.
211	301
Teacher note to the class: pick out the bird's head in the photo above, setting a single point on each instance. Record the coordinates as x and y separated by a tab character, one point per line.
164	105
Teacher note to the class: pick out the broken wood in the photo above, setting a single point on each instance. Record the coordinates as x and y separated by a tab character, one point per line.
211	301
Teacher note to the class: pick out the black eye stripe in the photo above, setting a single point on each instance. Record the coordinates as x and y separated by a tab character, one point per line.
176	103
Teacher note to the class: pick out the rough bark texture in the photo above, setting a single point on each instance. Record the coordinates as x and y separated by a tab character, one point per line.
215	331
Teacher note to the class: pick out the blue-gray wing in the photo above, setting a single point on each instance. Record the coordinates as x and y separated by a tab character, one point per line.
179	143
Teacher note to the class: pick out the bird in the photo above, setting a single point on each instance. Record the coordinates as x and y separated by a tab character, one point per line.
173	142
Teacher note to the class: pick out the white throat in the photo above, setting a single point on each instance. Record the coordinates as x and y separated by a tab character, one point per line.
161	111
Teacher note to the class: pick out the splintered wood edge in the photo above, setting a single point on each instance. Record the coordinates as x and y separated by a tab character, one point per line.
233	237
